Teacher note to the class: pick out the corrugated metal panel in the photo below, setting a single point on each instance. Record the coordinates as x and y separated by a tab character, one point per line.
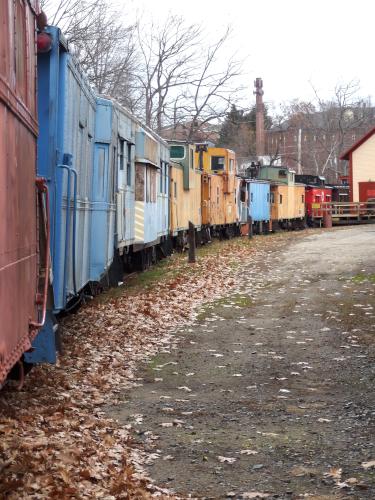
18	223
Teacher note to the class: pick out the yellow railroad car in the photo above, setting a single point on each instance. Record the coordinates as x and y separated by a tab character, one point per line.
185	192
287	205
219	208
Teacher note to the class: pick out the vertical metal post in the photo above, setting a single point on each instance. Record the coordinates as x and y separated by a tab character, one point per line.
191	238
299	152
250	224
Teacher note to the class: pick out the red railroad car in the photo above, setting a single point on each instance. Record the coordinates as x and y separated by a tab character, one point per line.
314	196
20	302
316	192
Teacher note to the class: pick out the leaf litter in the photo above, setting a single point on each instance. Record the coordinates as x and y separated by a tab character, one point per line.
56	438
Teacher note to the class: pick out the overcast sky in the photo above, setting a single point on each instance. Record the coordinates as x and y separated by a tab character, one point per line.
288	43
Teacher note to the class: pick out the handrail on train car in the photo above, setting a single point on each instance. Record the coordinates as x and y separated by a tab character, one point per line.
71	171
67	225
42	187
75	175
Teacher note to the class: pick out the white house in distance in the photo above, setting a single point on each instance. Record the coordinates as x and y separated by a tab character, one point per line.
361	157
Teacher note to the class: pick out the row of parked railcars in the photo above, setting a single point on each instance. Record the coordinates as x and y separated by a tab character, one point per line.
108	179
119	196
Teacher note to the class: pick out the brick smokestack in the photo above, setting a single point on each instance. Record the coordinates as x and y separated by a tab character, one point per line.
259	126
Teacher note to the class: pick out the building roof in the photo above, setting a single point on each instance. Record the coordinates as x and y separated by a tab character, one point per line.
345	156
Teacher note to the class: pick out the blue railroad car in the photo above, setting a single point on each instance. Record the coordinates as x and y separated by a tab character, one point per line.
66	108
253	200
103	192
259	200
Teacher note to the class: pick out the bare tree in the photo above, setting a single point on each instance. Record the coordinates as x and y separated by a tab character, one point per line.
211	94
184	82
102	44
167	56
74	17
164	72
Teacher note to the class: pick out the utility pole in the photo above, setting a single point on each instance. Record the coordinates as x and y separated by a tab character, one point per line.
259	125
299	162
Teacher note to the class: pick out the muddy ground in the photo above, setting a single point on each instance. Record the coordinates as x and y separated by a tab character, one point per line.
271	390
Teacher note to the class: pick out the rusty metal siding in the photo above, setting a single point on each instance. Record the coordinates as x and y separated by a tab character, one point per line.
18	233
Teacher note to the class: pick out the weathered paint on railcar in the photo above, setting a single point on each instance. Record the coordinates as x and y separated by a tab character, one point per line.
314	196
163	184
242	195
151	188
66	108
281	175
103	193
213	213
18	202
259	200
185	188
218	186
124	129
287	202
185	204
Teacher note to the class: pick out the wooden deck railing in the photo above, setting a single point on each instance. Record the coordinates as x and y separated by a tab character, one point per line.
349	211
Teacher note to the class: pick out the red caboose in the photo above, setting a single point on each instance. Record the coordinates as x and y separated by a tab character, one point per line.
316	193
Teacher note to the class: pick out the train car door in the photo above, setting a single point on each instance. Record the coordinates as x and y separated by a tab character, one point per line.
99	226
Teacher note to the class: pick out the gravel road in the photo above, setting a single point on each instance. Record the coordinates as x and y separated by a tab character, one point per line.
271	390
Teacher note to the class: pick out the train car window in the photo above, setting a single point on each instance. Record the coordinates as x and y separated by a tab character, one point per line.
161	183
129	164
165	177
148	184
243	195
177	152
101	166
282	173
252	197
217	162
272	197
268	197
121	154
139	183
303	198
230	165
317	198
113	174
281	199
153	178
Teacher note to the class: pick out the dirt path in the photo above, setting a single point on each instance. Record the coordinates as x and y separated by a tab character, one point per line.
272	389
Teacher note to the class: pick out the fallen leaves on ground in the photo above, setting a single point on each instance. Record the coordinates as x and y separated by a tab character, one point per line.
56	440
